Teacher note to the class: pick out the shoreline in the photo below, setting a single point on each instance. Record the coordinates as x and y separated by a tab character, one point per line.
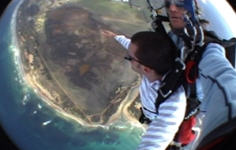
122	110
28	80
31	81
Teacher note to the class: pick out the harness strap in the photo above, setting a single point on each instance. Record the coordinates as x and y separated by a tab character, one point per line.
176	76
143	118
192	61
191	75
193	103
186	77
169	83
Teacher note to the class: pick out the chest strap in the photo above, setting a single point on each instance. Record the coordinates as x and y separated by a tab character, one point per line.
171	82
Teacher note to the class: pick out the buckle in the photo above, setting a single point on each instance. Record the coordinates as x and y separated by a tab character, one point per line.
175	144
164	95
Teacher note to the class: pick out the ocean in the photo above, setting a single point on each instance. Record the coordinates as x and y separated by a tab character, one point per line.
33	125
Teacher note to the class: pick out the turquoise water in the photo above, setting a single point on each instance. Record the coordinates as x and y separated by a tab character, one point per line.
24	115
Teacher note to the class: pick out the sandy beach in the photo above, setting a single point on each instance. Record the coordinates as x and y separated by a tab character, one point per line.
121	111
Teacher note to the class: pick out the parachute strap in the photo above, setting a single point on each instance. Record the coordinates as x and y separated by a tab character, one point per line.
192	61
143	118
171	82
190	74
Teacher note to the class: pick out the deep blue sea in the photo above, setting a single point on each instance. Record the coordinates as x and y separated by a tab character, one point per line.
32	124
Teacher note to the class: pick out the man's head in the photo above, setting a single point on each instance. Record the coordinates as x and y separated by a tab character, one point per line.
151	51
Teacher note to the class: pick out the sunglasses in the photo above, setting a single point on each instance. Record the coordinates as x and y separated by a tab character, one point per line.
177	3
130	58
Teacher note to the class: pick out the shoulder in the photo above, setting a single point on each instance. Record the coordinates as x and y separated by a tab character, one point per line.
213	53
214	49
215	65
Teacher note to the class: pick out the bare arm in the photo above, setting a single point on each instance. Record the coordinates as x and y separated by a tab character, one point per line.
123	40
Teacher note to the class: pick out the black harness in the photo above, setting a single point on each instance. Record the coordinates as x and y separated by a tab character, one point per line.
185	75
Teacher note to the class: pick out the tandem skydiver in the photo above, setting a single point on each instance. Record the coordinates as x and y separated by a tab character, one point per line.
213	78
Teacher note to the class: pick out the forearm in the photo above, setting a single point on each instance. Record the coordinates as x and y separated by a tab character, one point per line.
155	137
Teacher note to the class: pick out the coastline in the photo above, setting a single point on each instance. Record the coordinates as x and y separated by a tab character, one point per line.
123	108
29	81
121	111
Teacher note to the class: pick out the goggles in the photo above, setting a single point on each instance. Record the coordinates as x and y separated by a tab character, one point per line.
177	3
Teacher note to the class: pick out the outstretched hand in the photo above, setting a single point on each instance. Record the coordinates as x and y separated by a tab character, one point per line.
108	33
